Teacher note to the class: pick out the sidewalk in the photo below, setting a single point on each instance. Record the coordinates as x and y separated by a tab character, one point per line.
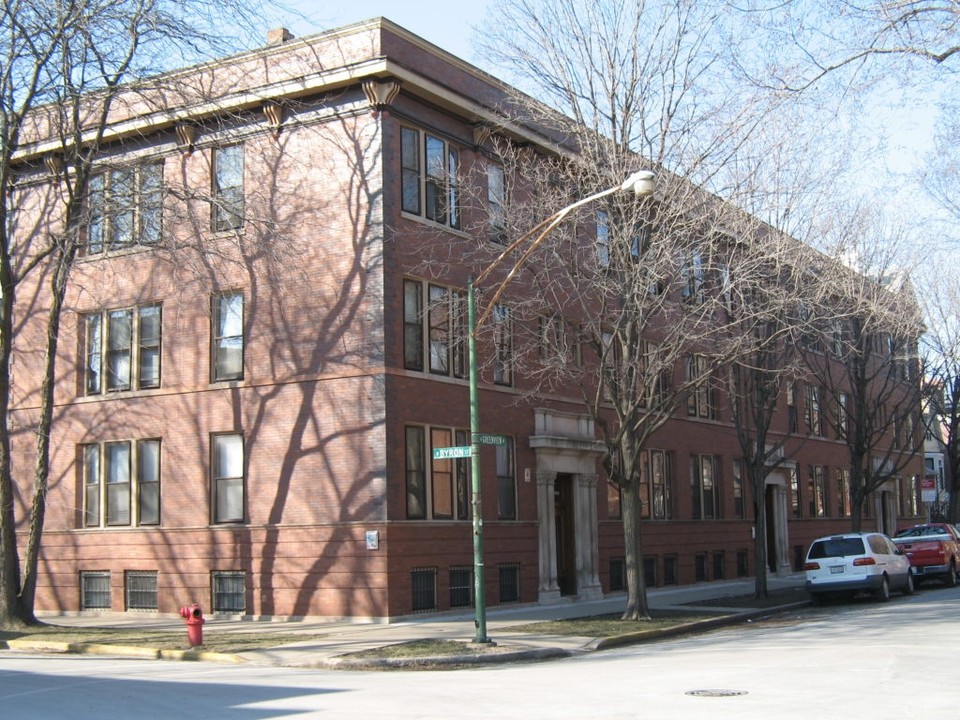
331	640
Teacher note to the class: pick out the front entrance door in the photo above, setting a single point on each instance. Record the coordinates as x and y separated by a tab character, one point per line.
566	534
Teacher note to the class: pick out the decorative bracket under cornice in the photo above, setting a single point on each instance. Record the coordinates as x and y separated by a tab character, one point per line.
380	93
481	133
54	163
186	134
273	112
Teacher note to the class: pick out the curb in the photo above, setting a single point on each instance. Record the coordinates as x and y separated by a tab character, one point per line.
130	651
439	661
641	636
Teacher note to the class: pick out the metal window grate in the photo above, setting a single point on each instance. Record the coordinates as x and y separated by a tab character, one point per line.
95	590
509	583
650	572
700	567
669	569
618	574
141	591
743	564
719	566
461	586
229	592
423	583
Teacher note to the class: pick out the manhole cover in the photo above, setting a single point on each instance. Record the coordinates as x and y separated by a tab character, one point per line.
715	693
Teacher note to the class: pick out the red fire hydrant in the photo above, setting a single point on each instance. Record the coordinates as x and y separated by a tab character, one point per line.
194	617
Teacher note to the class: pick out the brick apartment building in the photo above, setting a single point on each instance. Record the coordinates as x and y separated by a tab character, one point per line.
246	419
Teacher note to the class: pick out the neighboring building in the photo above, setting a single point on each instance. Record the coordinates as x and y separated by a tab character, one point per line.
247	422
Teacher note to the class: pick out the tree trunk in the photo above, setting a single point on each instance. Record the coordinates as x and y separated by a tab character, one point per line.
637	607
10	561
760	543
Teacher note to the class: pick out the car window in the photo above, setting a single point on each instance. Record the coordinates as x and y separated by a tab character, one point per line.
879	545
835	547
922	531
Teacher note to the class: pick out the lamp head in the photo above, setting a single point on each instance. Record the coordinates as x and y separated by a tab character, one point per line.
642	183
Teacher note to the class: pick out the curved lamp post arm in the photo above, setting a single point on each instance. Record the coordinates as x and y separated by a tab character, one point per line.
641	183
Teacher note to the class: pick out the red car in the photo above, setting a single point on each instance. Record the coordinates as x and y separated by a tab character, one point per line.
933	550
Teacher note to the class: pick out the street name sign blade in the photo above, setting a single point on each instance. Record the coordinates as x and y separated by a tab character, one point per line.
450	453
483	439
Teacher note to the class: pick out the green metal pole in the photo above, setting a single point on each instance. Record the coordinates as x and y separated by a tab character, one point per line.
479	594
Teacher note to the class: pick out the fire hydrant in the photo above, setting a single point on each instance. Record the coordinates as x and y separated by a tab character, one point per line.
194	617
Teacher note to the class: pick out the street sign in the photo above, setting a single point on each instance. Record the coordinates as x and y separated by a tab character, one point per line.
928	488
449	453
482	439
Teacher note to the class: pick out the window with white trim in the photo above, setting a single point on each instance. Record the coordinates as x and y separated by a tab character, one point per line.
121	483
503	345
656	484
429	184
122	349
228	478
496	203
227	341
228	192
506	482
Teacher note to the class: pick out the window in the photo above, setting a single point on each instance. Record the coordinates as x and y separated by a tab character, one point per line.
614	502
436	489
700	567
496	204
817	491
812	410
843	416
461	586
228	188
793	423
794	492
444	325
125	208
843	492
649	571
509	583
669	569
655	493
503	345
694	274
719	565
743	564
118	488
739	508
603	238
122	349
704	472
423	585
141	590
229	591
506	482
228	337
618	574
228	478
95	591
700	400
429	168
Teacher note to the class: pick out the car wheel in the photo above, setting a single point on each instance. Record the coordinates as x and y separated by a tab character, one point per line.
908	588
882	593
951	578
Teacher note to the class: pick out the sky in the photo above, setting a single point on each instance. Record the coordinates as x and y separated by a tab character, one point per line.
906	122
433	20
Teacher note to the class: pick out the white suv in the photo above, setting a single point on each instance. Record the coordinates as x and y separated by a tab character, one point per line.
856	562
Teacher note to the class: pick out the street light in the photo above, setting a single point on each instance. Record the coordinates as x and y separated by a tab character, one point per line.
641	184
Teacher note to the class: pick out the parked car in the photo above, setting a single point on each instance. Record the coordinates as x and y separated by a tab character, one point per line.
933	550
856	562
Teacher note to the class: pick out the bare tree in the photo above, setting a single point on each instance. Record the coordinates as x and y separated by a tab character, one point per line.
63	68
866	388
638	84
941	354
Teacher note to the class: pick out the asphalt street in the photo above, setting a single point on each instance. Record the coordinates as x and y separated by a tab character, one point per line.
892	660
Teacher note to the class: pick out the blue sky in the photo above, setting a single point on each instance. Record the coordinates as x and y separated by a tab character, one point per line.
446	24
